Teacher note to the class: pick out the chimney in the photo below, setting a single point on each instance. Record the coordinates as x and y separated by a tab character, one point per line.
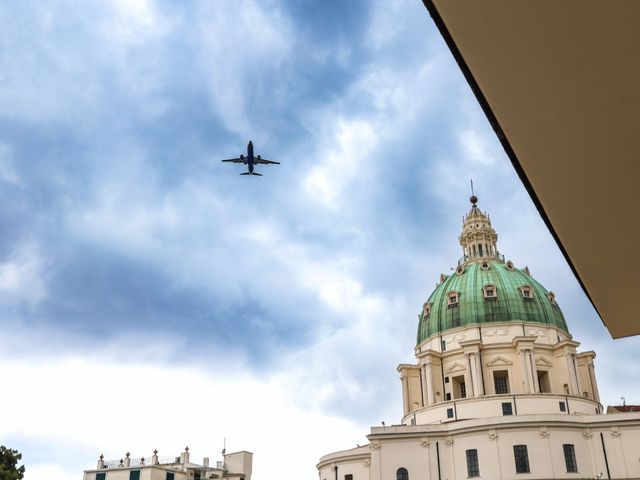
101	462
154	458
127	460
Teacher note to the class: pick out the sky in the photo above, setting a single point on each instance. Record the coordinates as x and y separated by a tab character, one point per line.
152	297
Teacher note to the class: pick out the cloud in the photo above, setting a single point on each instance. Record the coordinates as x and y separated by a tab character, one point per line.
163	408
49	471
236	78
8	171
23	276
328	181
131	260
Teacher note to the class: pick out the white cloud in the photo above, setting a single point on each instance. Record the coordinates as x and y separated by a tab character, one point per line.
230	72
344	156
23	276
115	408
477	148
40	471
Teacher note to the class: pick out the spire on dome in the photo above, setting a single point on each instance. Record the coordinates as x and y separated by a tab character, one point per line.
478	238
473	198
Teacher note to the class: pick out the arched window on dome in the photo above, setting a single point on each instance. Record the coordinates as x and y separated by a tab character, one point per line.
402	474
552	298
527	292
490	292
426	310
453	299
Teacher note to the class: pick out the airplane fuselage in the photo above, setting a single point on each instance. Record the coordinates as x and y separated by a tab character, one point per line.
250	158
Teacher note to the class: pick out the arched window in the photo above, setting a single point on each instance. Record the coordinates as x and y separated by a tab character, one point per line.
426	309
402	474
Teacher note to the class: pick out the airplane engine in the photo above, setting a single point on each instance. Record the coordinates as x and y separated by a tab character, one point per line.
259	157
241	157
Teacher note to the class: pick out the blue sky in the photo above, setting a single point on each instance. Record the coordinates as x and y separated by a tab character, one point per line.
141	279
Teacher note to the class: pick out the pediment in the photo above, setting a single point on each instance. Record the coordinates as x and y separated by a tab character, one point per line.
544	362
499	362
455	367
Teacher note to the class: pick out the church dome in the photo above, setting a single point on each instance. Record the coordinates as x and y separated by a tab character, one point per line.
485	288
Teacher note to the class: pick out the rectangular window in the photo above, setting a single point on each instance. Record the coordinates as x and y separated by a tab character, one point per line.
570	458
543	381
473	470
501	385
507	409
458	387
443	344
522	458
501	382
446	379
101	476
134	475
448	396
348	477
449	412
170	476
563	406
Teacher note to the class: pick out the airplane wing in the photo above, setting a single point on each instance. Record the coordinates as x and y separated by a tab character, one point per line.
236	160
265	162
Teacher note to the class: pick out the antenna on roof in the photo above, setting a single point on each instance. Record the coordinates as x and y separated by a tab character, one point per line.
224	447
472	186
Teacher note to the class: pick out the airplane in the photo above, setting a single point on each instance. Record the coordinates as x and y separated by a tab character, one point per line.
250	161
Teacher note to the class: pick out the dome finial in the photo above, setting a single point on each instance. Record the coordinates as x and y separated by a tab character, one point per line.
473	198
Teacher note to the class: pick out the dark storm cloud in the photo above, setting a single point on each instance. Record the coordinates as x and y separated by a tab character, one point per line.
118	219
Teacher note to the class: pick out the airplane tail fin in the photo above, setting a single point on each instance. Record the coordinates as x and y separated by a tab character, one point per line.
259	174
254	173
245	173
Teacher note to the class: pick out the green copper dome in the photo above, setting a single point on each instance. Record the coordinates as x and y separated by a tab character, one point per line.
485	289
485	292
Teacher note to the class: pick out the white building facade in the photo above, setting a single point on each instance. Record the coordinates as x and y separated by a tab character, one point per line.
498	390
236	466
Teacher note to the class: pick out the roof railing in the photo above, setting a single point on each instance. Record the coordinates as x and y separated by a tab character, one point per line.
465	258
137	462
